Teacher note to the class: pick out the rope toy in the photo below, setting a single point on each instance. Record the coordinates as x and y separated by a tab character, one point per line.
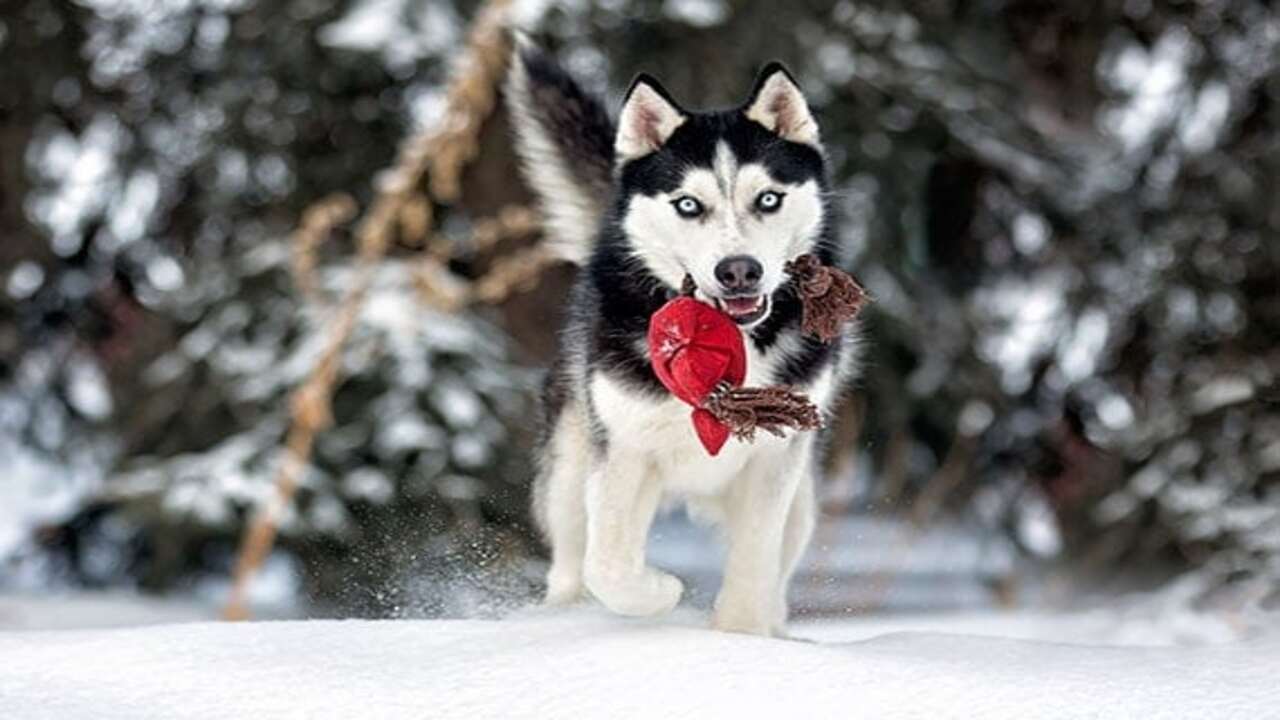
829	297
699	355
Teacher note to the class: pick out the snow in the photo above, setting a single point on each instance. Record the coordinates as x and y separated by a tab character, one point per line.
1203	122
37	485
1222	392
402	31
1155	82
1030	233
74	170
25	279
1027	318
588	664
99	610
698	13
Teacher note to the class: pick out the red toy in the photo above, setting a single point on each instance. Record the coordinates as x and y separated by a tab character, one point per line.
698	353
694	348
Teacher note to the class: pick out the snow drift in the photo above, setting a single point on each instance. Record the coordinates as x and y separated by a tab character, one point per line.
584	665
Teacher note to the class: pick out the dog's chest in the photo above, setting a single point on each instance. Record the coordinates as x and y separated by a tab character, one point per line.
660	432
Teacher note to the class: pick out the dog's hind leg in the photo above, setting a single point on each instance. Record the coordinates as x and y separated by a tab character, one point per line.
622	498
560	503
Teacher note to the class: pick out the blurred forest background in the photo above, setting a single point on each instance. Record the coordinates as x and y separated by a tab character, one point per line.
1067	214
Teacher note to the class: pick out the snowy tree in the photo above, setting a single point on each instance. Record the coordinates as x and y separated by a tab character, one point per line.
1064	213
154	320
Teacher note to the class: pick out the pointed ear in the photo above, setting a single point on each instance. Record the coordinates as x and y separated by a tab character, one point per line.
778	105
648	119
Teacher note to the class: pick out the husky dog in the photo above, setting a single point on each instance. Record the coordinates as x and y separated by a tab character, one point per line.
726	197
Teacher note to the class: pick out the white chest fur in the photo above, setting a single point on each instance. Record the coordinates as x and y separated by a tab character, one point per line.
661	433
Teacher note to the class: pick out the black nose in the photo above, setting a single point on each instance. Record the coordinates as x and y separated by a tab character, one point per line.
739	273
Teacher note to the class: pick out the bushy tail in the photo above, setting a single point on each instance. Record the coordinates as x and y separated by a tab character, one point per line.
564	138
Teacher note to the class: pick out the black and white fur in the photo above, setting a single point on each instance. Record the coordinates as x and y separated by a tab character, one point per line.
617	444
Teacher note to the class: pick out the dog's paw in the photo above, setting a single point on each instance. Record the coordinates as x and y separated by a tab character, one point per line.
564	588
649	592
780	617
745	620
563	595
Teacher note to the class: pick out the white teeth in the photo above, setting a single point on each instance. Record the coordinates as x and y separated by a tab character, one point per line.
739	311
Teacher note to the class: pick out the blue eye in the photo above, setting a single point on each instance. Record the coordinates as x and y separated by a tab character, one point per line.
687	207
769	201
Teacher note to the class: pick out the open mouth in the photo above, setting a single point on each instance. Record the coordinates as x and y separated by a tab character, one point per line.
744	310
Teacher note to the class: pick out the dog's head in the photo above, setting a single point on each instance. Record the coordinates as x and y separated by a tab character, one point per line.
727	197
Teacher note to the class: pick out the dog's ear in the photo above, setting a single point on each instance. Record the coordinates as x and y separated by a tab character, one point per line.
778	104
649	117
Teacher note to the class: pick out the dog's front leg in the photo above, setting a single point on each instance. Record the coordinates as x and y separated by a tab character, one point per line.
621	502
758	504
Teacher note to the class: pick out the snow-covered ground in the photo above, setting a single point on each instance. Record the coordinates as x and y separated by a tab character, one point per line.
586	664
1163	654
97	610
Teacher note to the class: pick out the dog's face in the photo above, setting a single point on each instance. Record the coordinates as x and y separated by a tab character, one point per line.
726	197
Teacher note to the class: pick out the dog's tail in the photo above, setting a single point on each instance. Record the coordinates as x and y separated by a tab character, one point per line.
564	138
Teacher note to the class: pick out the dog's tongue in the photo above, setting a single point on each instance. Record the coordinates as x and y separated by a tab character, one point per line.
741	306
